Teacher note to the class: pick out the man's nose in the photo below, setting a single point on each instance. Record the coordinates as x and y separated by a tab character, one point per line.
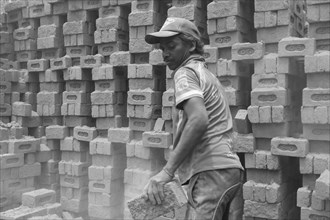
165	54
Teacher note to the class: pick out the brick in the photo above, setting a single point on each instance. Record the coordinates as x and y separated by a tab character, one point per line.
75	27
48	30
21	109
263	210
270	80
40	10
120	58
223	40
306	165
60	63
259	192
38	197
113	11
143	18
24	33
317	202
140	208
322	185
111	22
78	51
120	135
261	159
224	9
57	132
38	65
5	109
304	195
316	131
11	160
104	72
76	97
271	5
84	133
265	114
31	170
143	97
156	57
12	6
76	73
248	51
244	143
91	4
281	114
23	212
73	182
291	47
322	61
157	139
105	186
91	61
308	213
270	19
270	97
293	147
21	146
49	98
248	190
253	114
76	86
321	163
242	123
270	130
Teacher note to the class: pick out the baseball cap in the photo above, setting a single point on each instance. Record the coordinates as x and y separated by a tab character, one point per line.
173	26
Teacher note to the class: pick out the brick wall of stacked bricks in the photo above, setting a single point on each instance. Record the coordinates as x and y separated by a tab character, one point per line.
86	104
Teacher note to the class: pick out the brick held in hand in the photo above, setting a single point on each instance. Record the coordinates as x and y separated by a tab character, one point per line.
174	198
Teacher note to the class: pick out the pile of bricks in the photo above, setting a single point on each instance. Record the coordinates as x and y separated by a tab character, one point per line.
87	105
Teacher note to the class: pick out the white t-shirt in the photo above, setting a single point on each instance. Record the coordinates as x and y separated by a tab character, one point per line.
214	151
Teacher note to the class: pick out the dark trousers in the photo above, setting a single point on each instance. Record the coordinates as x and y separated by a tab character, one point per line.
216	195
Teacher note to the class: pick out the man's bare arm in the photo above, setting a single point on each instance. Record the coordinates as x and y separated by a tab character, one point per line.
194	129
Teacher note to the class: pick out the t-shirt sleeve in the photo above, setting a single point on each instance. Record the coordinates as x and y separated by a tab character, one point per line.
187	85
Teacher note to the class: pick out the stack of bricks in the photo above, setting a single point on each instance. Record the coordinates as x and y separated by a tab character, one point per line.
8	89
146	84
36	205
51	82
106	176
13	15
111	33
73	169
18	164
275	20
317	16
316	125
6	37
228	23
76	105
50	41
79	29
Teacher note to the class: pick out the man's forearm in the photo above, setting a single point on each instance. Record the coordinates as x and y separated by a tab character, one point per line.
190	137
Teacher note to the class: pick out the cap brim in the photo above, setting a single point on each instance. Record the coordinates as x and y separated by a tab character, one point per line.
154	38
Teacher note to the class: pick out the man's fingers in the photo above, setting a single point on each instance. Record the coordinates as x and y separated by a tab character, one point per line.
156	193
161	192
151	194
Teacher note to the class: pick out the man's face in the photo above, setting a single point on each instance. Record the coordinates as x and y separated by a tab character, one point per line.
175	51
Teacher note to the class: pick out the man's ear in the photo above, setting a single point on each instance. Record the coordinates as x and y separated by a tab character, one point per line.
193	46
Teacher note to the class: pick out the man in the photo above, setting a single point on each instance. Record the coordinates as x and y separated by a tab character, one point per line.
202	153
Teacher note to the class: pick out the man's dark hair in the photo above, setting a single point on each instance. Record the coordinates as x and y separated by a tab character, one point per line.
189	39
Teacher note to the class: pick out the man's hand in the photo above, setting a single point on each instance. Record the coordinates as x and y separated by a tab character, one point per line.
154	190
